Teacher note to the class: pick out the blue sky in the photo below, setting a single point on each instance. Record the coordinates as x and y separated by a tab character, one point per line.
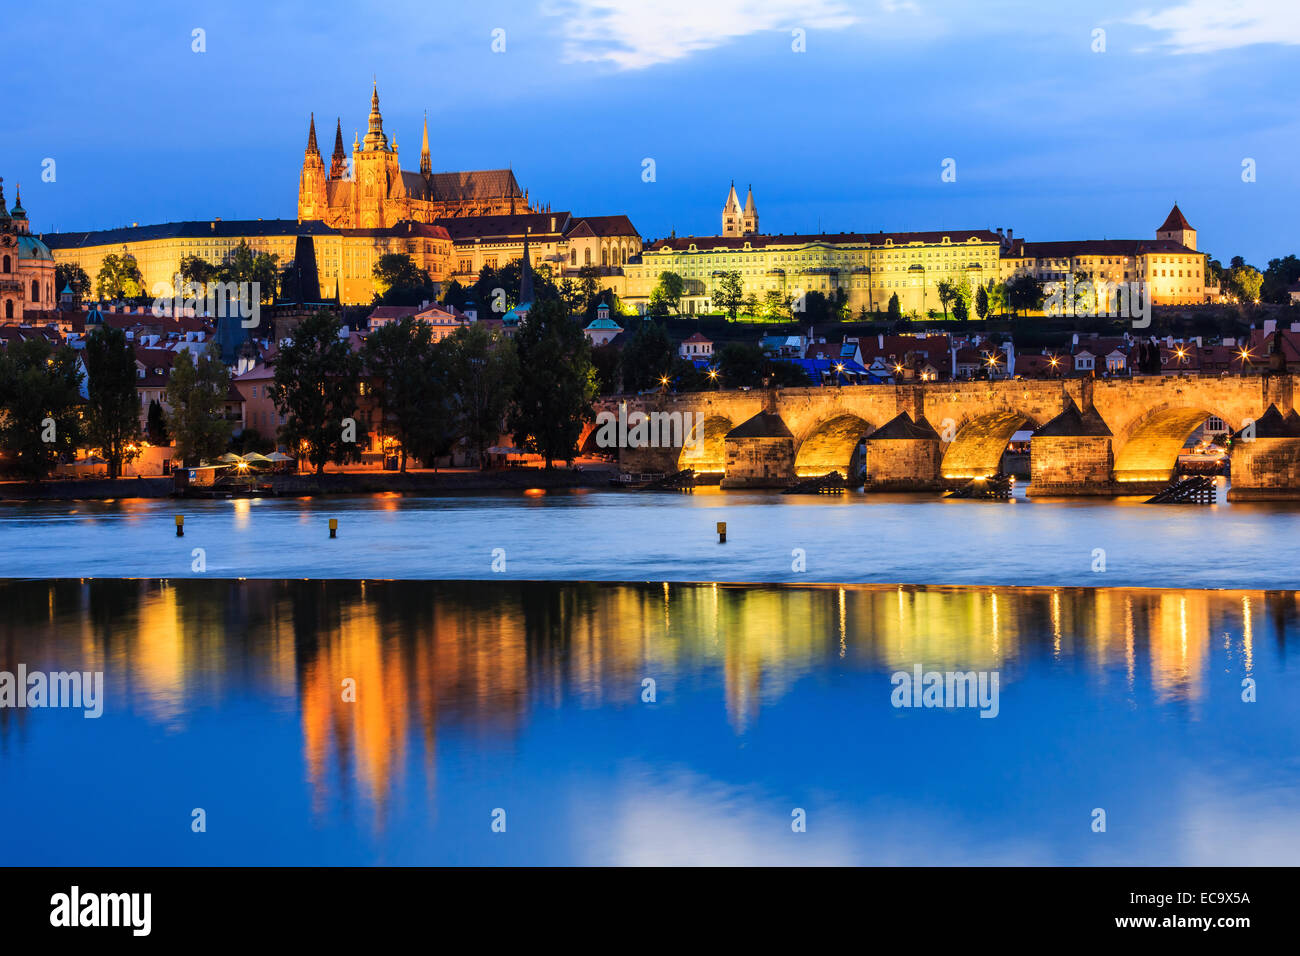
1049	137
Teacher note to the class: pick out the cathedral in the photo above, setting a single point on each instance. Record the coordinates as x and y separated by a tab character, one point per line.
26	265
376	192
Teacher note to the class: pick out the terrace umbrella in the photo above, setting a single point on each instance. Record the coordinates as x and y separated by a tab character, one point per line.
253	458
278	457
230	458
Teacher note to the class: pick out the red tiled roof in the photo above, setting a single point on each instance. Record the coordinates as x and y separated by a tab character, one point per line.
1175	220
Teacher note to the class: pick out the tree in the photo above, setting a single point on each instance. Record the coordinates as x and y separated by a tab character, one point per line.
997	297
728	293
119	277
775	305
947	295
982	302
669	289
258	269
647	357
400	282
1280	275
482	369
196	391
1244	282
960	311
406	370
553	397
113	412
895	310
155	425
316	386
71	275
40	396
1024	292
196	270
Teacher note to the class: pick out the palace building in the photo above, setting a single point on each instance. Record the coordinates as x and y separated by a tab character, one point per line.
870	268
375	192
1174	272
26	265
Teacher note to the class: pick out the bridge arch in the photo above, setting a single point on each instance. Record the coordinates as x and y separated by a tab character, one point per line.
706	452
976	448
1148	449
829	446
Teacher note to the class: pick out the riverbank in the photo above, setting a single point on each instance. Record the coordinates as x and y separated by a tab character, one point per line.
331	483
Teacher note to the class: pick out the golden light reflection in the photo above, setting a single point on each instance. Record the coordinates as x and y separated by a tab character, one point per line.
422	655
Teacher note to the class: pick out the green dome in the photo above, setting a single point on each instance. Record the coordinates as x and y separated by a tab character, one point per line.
29	247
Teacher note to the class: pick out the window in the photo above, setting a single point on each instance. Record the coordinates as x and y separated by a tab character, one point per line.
36	291
9	307
6	264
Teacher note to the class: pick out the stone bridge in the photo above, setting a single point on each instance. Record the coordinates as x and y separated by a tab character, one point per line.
1091	436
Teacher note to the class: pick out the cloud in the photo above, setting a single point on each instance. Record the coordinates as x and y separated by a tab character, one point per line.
634	34
1207	26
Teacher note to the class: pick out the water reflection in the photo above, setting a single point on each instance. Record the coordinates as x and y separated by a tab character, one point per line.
447	672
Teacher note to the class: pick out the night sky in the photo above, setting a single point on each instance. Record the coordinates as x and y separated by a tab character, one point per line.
1049	137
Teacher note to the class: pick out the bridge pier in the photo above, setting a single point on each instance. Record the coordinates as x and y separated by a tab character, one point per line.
759	453
1266	459
903	455
1072	455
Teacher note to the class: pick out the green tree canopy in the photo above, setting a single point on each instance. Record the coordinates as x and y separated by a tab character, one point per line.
553	395
647	356
316	388
407	371
40	397
196	392
728	293
483	368
119	277
69	274
398	281
113	410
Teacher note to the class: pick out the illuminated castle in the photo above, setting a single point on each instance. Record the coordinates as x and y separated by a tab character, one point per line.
376	192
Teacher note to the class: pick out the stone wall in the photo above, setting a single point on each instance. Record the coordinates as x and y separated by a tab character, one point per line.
759	462
903	464
1070	465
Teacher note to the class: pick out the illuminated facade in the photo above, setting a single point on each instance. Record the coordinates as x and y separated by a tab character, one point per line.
868	268
26	266
376	192
1170	266
344	257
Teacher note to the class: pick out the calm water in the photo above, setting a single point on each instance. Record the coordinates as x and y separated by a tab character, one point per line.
226	696
613	536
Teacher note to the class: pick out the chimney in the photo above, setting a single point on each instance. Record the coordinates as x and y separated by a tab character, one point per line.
1010	234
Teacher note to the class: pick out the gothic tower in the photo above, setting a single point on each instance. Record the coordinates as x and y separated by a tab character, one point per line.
426	162
731	215
339	161
377	175
312	201
1177	228
749	221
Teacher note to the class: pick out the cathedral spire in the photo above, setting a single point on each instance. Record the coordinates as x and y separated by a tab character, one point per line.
375	138
339	161
311	137
426	162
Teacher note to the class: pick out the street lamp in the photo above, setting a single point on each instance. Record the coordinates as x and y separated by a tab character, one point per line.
839	373
713	376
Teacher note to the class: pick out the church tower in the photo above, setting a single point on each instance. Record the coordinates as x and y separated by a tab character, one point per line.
426	162
312	201
339	161
731	215
749	221
1177	228
377	175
